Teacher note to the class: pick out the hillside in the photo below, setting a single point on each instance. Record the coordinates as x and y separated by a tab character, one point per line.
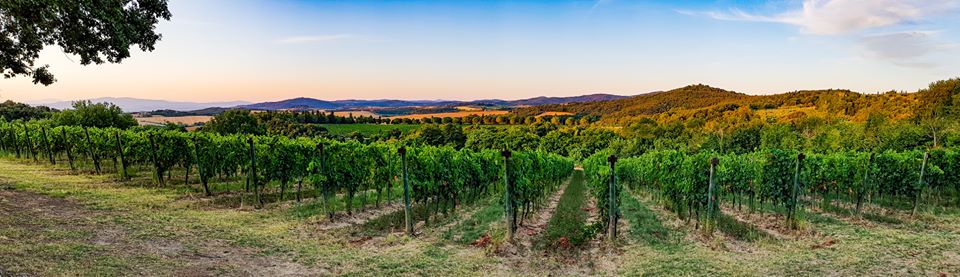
688	97
701	101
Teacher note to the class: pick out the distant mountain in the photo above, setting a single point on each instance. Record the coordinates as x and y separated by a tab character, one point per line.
542	100
295	103
311	103
129	104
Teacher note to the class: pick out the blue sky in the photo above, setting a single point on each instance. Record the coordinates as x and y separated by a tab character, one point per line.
269	50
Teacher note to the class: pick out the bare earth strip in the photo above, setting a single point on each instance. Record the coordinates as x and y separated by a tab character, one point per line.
520	254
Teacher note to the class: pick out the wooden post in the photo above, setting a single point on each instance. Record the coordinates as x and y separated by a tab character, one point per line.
3	143
863	187
919	191
325	188
67	147
792	213
46	144
33	154
123	161
203	178
16	142
508	196
253	172
156	160
407	213
612	200
92	149
712	204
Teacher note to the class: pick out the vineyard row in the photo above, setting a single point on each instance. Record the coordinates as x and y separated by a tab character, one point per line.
439	178
692	185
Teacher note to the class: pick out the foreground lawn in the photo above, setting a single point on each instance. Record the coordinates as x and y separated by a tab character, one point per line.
661	244
133	231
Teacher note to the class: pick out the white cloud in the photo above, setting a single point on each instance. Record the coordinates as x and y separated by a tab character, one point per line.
314	39
874	26
835	17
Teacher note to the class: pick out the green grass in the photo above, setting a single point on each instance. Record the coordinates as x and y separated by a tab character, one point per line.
482	222
738	230
569	218
857	250
368	129
645	226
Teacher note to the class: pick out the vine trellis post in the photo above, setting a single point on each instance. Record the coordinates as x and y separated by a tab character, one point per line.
203	178
612	200
253	172
407	216
918	193
795	192
47	146
712	203
123	161
67	147
33	154
511	216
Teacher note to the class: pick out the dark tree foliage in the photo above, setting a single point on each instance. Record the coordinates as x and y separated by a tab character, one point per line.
940	99
235	122
89	114
96	31
10	111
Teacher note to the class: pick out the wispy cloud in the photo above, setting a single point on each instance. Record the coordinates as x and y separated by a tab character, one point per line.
597	4
314	39
904	48
836	17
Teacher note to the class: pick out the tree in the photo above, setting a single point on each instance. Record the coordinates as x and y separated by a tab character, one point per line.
10	110
235	122
100	115
97	31
453	135
940	99
430	135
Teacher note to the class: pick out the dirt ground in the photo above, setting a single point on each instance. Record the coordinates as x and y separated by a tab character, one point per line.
31	221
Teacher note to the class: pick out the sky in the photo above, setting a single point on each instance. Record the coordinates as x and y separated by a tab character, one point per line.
268	50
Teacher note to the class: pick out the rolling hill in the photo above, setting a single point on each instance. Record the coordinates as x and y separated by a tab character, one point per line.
702	101
688	97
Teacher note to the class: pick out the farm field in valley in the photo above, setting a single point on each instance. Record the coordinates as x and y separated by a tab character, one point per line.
368	129
183	120
451	114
